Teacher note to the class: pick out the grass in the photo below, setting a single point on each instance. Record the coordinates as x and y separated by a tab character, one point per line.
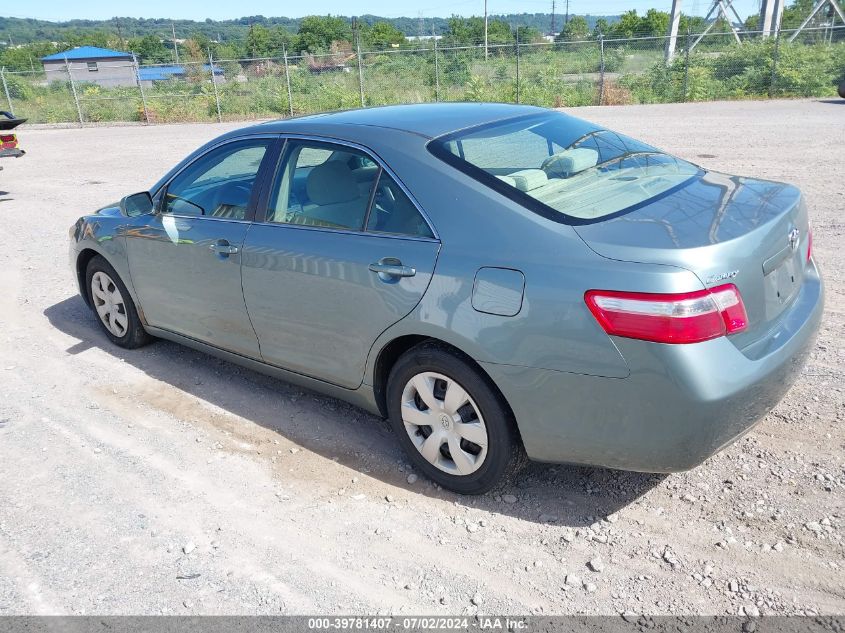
548	76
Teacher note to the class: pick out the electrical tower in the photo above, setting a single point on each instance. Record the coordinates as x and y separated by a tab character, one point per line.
819	4
720	7
771	12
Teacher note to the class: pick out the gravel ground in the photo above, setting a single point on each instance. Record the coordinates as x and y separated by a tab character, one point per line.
165	481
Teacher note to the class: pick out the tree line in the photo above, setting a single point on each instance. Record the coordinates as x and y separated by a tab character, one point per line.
258	36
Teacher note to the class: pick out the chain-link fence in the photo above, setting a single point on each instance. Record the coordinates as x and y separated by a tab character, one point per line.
598	70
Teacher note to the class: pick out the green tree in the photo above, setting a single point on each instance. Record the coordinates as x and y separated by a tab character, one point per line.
498	32
654	24
469	31
528	34
150	50
465	31
381	35
602	27
627	26
258	41
575	30
316	33
26	57
796	13
692	24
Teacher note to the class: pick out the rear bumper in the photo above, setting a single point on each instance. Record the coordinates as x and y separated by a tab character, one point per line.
680	404
11	153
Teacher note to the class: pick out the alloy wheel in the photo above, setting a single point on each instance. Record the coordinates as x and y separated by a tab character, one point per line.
444	423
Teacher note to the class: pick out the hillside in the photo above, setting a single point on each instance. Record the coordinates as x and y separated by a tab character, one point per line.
23	30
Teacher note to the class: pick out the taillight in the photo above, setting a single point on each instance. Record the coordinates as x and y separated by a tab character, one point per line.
688	317
809	242
7	138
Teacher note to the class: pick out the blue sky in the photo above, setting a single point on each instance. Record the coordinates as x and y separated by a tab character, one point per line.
202	9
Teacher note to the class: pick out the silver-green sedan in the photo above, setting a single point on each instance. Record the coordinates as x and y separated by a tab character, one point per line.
499	281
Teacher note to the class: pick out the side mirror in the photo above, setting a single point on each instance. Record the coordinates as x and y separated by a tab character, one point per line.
137	204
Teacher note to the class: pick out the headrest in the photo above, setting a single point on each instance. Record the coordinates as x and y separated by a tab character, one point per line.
330	183
528	179
570	161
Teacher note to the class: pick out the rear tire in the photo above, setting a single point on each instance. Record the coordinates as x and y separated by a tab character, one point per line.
113	306
842	90
451	421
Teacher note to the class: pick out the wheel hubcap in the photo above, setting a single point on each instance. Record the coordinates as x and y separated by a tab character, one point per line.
109	304
444	423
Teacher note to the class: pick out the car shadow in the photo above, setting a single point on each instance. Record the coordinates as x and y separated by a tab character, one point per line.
557	494
837	101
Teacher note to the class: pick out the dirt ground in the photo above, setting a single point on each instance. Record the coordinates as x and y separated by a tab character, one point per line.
163	481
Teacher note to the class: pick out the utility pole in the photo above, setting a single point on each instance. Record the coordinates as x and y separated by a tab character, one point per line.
485	29
566	19
553	18
175	47
119	32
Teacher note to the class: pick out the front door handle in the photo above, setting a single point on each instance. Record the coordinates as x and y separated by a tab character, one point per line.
388	267
222	247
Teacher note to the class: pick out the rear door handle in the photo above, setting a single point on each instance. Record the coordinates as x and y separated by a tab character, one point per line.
392	267
222	247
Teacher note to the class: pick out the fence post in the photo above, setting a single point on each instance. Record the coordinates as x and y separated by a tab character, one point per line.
214	84
141	89
601	68
436	73
6	90
686	64
360	65
73	90
774	77
287	79
517	65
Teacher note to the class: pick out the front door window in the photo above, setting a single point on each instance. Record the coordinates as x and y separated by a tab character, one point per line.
219	184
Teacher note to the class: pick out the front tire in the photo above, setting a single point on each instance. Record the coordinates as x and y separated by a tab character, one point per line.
113	305
452	423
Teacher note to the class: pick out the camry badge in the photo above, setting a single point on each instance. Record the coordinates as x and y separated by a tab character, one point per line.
794	239
712	279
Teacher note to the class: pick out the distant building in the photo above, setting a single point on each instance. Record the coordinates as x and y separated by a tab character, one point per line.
91	64
150	74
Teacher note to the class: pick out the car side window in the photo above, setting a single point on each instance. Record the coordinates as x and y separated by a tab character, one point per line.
324	185
218	184
393	211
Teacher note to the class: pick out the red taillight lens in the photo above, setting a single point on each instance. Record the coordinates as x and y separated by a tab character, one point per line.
7	138
809	242
688	317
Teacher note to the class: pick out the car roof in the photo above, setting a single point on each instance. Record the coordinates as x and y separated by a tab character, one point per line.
424	119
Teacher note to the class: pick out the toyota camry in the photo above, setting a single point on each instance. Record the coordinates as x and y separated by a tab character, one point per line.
499	281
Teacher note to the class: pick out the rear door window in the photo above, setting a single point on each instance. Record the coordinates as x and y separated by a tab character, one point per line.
331	186
323	185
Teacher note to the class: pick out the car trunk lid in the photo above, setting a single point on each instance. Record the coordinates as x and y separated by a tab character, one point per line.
725	229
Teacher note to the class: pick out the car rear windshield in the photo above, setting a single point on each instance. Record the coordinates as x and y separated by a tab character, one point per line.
564	168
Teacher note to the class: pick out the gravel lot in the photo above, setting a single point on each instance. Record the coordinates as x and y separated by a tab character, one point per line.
165	481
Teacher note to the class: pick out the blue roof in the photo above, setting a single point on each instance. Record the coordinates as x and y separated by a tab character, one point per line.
160	73
86	52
